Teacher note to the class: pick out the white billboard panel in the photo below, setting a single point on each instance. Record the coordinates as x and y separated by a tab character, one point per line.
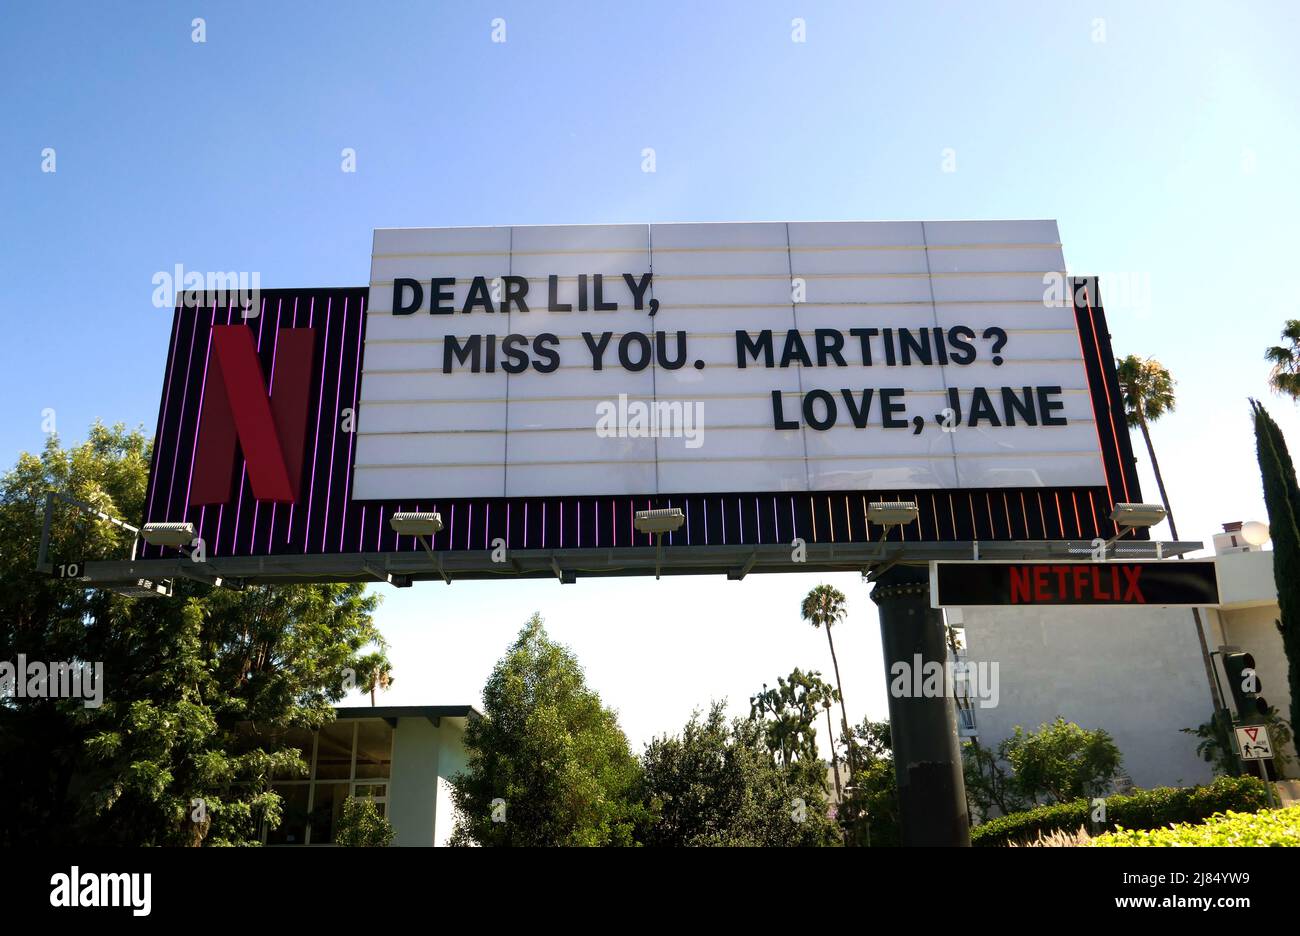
704	358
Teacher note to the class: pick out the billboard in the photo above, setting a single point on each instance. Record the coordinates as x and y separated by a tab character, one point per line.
538	385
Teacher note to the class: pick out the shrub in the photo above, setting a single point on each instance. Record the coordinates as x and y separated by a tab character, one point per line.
1270	827
361	825
1145	809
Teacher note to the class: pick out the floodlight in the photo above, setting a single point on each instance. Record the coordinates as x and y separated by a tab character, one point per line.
1137	516
892	513
1255	533
410	523
664	520
168	534
143	588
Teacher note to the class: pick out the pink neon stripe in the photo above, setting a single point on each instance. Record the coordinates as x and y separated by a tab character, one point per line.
185	392
162	426
270	533
379	532
311	317
334	437
315	448
356	392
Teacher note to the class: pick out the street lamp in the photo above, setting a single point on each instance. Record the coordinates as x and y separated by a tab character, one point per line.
1133	517
421	525
892	513
658	522
412	523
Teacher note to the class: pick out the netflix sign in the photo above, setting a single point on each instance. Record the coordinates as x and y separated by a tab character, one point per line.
1163	583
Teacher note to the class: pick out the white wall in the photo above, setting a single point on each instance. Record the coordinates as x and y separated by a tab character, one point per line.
1137	673
413	788
425	758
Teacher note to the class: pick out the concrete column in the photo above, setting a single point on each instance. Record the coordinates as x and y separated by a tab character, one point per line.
927	758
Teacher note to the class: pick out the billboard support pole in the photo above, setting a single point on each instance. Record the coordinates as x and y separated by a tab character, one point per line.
927	759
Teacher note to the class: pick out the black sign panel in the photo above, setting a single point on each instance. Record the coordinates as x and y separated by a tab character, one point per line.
1160	583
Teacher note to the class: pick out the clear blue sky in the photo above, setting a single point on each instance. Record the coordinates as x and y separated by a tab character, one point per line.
1168	151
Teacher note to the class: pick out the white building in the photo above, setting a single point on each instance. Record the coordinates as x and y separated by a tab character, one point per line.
1136	672
403	757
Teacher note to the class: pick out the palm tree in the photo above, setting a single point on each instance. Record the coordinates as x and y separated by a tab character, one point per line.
376	674
824	607
1148	391
1285	376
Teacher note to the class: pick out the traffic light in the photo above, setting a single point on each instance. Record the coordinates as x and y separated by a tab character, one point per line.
1244	685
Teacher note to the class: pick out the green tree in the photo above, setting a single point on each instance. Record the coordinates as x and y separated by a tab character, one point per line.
1061	761
824	607
869	812
1285	358
1282	498
789	714
376	673
989	782
361	825
196	688
548	763
719	785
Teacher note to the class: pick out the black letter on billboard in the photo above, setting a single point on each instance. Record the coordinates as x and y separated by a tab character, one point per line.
778	417
888	408
829	345
597	350
553	296
1048	406
513	359
810	415
864	335
598	287
516	289
744	345
963	352
478	295
552	358
439	295
625	358
638	289
417	296
469	350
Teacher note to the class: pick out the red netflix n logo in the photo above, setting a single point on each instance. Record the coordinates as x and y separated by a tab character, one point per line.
269	425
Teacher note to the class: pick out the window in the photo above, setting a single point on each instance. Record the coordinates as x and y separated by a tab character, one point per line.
353	757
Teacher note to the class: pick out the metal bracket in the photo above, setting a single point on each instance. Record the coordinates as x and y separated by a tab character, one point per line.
737	575
436	557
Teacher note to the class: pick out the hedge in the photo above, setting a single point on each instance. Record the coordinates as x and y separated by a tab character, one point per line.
1270	827
1145	809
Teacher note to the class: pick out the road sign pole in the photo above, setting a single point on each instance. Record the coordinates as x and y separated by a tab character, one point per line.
927	759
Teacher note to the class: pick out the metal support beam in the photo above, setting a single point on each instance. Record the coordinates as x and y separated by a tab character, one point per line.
927	758
600	561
